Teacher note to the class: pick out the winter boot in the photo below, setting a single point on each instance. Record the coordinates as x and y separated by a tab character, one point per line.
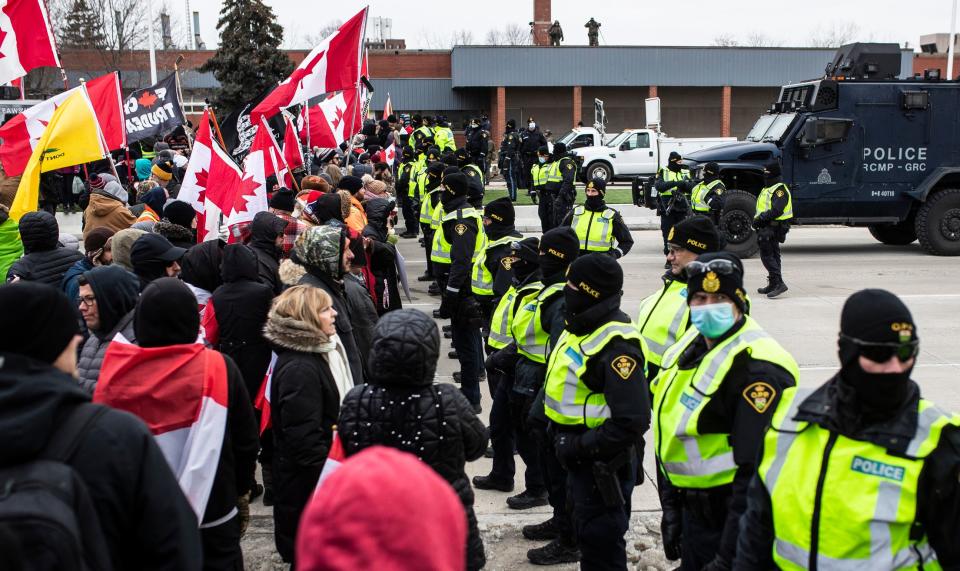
771	285
777	289
526	500
267	472
491	483
554	553
545	531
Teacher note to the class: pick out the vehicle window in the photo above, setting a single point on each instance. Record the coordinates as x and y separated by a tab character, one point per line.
643	140
615	142
760	127
567	137
581	141
779	127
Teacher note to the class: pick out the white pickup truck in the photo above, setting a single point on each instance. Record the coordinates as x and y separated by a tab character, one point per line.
637	152
581	137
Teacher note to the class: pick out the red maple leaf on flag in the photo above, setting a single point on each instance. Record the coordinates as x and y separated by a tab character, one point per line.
338	118
202	175
2	36
147	99
248	188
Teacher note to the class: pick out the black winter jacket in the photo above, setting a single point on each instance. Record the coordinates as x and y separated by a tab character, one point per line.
144	517
241	305
403	409
264	230
304	404
43	261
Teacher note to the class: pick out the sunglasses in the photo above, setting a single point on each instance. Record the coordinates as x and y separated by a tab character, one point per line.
881	352
722	267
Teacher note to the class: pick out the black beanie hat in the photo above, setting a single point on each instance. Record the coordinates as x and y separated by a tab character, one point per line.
877	316
559	149
166	314
543	150
501	211
180	213
596	276
527	250
449	159
436	169
730	285
674	156
45	320
711	169
560	244
447	170
697	234
351	184
599	184
283	200
456	183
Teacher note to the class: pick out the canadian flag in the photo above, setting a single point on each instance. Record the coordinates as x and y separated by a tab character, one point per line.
251	187
196	179
292	152
26	39
330	120
387	108
331	66
180	392
21	134
262	402
335	458
390	154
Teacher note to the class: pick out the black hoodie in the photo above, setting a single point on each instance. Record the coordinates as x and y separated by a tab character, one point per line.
116	291
264	230
200	266
144	517
241	305
401	407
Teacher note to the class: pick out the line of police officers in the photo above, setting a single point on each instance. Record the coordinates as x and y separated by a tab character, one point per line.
752	471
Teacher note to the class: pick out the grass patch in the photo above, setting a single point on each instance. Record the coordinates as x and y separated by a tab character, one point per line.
614	196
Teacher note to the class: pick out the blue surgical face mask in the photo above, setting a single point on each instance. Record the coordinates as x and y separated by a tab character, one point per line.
713	320
542	159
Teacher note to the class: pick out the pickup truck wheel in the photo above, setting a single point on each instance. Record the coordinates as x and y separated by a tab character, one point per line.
896	234
938	223
736	223
600	170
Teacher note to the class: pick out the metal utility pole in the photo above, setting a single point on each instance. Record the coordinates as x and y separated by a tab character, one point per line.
953	36
153	52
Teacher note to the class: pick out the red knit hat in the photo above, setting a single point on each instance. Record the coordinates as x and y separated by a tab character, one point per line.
386	510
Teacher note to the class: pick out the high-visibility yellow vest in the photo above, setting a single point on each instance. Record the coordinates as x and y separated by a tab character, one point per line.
594	229
664	316
527	327
698	196
567	400
867	496
554	174
481	279
477	170
443	137
668	175
426	208
423	130
418	168
688	458
502	318
440	249
765	201
538	174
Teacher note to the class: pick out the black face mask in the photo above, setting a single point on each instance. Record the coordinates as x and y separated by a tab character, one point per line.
521	271
576	303
594	202
446	198
709	176
879	394
674	166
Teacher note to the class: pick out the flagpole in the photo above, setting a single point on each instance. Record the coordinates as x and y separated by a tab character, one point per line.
309	148
216	127
263	123
153	51
103	141
176	71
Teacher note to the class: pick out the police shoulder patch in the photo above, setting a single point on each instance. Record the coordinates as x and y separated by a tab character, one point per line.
759	395
507	262
569	167
779	193
624	366
460	229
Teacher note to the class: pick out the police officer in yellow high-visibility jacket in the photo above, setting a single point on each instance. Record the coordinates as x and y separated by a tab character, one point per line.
538	182
422	131
460	238
706	198
428	189
443	136
664	315
406	187
772	222
599	227
862	472
672	182
491	277
597	400
717	389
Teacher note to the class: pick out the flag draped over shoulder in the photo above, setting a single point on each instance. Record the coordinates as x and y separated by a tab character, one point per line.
331	66
181	393
72	137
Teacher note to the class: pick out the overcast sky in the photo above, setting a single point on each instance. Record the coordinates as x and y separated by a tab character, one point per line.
635	22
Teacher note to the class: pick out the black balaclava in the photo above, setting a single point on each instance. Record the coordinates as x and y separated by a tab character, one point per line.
877	316
558	248
771	174
673	162
456	184
711	172
596	203
597	283
166	314
525	256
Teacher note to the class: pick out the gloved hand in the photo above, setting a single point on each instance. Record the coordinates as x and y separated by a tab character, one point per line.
717	564
671	530
567	446
448	305
758	223
243	509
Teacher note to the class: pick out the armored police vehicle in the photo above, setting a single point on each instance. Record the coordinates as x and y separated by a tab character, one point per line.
858	147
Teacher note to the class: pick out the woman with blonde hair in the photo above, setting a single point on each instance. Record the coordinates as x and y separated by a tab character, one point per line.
310	379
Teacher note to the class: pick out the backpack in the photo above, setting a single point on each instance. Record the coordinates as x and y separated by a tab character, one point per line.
47	519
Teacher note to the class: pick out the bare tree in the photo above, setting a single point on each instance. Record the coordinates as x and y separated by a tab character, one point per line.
726	41
462	37
758	40
509	35
835	35
330	27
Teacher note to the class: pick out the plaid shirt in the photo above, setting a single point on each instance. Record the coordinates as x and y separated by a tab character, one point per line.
294	228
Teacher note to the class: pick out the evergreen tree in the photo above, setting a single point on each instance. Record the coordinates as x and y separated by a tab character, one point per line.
83	27
249	58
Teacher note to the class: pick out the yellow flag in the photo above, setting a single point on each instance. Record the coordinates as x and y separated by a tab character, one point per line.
71	138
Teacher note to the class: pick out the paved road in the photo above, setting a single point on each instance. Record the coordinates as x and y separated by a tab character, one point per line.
822	267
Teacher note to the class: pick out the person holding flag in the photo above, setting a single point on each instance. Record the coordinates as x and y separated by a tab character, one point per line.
195	403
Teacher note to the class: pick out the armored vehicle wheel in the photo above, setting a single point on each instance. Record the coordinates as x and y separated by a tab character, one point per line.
938	223
600	170
736	223
896	234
